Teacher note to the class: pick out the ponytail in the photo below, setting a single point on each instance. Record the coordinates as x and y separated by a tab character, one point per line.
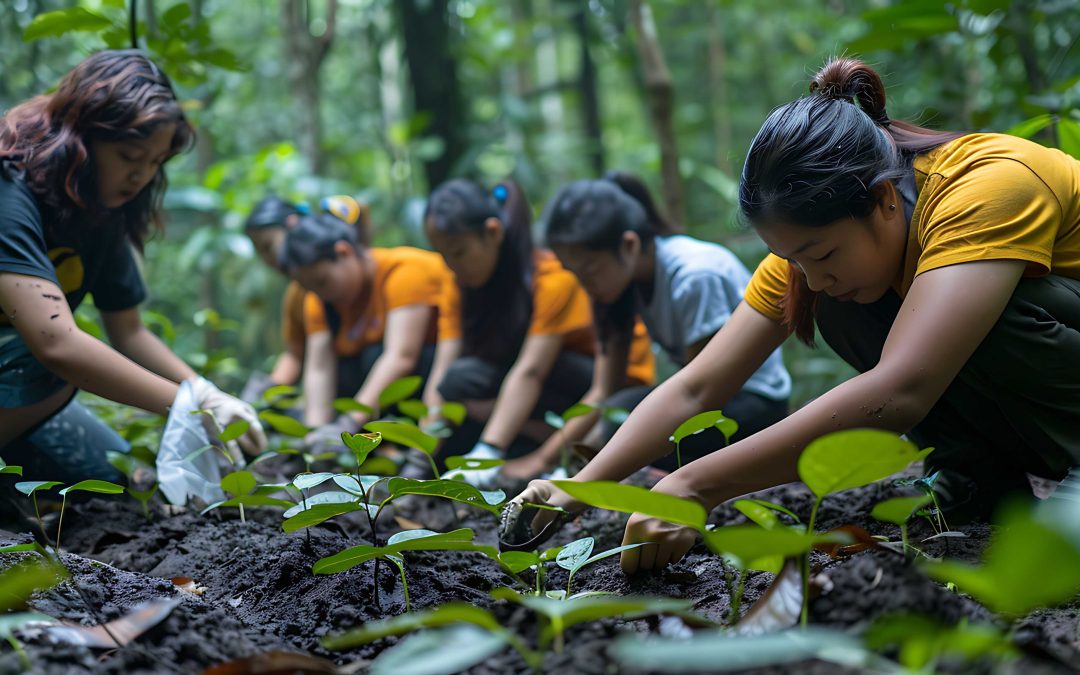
313	239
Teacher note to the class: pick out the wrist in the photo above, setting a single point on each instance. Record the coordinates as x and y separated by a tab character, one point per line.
685	487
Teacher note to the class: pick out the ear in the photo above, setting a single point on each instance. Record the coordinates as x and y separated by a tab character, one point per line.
343	249
630	245
887	199
493	227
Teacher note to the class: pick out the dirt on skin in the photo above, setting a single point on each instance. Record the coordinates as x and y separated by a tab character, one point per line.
260	594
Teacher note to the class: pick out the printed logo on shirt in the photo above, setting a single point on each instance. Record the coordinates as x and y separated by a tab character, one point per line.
69	268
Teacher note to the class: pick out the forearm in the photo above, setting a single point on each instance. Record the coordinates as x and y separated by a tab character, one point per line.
445	354
147	350
517	397
770	457
286	370
90	364
319	384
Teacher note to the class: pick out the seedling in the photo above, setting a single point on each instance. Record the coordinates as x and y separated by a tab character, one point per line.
30	489
926	485
700	422
578	554
899	511
247	492
410	436
97	486
9	469
558	422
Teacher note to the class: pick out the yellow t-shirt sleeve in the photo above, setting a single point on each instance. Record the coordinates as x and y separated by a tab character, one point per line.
641	364
960	224
450	311
767	287
560	305
314	315
412	282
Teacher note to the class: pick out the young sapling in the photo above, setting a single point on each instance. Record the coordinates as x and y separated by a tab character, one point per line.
700	422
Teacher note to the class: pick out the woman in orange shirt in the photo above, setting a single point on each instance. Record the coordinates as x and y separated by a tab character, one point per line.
515	329
369	318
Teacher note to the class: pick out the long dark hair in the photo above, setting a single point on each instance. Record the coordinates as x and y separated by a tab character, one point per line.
112	95
495	317
270	212
819	159
313	239
596	214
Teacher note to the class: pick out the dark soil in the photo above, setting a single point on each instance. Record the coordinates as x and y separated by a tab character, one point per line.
260	594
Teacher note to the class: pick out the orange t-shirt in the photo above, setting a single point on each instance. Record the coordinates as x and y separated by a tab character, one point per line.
560	307
403	276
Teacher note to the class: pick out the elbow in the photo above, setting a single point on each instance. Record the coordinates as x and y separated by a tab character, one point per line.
58	353
905	401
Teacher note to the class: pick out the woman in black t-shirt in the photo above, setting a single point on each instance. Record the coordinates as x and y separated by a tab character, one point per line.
81	179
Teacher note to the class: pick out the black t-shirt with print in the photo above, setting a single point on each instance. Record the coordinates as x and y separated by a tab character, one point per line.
96	260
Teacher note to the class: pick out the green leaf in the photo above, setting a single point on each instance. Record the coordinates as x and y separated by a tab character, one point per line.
234	431
10	469
575	553
350	405
31	486
518	561
413	408
1069	137
52	24
99	486
554	420
239	482
577	410
899	509
489	500
257	500
350	484
1030	127
143	496
361	445
852	458
450	613
443	651
399	390
306	481
469	464
453	411
18	582
761	515
329	497
176	15
457	540
752	544
272	394
283	424
633	499
702	421
923	640
405	434
608	553
318	513
381	466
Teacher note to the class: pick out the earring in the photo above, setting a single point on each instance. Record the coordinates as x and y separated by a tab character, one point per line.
892	207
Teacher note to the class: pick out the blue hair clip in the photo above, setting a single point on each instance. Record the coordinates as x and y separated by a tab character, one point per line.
500	193
303	209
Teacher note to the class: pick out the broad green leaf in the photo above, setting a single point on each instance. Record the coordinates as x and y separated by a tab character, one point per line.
450	613
405	434
21	548
413	408
468	464
577	410
763	516
143	496
234	431
272	394
10	469
175	15
518	561
18	582
489	500
772	506
457	540
351	405
1030	127
714	652
31	486
306	481
898	509
1069	137
923	640
350	484
443	651
752	543
1027	565
283	424
51	24
633	499
453	411
99	486
575	553
239	482
698	423
399	390
361	445
608	553
852	458
318	514
554	420
330	497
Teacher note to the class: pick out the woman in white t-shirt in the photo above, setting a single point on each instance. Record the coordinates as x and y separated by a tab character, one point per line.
611	235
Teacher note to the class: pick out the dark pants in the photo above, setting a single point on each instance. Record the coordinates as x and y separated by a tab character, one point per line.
1015	405
353	370
752	411
471	378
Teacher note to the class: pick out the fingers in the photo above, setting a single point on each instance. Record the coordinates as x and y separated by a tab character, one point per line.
666	544
258	437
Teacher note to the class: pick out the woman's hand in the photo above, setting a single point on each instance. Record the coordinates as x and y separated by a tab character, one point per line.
527	467
544	492
670	542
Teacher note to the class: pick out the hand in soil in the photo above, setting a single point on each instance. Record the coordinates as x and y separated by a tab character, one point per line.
671	543
526	468
545	492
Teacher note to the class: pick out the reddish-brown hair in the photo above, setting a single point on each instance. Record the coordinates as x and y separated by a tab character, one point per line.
112	95
819	159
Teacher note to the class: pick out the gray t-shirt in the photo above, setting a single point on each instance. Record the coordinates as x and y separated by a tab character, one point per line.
697	286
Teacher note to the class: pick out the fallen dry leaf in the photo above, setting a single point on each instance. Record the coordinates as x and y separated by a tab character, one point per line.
188	585
406	524
125	629
275	663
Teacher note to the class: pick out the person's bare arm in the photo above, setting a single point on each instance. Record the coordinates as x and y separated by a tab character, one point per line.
39	312
289	364
521	389
945	316
320	379
403	342
129	336
446	352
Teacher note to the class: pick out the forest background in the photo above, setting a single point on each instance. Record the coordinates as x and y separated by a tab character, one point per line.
384	99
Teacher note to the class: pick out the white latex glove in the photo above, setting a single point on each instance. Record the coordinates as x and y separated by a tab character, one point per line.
479	478
224	410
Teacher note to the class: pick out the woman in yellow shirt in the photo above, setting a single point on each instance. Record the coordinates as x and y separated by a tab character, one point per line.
515	328
945	267
369	318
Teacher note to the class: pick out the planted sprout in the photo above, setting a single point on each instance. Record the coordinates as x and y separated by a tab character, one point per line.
699	423
98	486
30	489
899	511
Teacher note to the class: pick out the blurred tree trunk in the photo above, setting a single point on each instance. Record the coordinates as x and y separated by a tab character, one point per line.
433	73
304	57
660	95
521	82
590	100
718	91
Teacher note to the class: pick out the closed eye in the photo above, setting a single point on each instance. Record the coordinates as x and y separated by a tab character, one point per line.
826	256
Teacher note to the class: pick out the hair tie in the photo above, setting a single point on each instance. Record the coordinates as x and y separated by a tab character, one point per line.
881	119
500	193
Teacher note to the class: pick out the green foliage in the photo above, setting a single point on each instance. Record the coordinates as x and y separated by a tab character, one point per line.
6	468
699	423
52	24
351	405
758	548
405	434
399	390
361	445
447	650
283	424
853	458
234	431
578	554
419	540
898	510
923	641
30	487
489	500
633	499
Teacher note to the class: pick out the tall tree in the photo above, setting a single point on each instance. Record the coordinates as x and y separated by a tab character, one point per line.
305	53
433	74
660	94
587	88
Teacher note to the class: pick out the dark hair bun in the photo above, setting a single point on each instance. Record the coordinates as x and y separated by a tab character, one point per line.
853	81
